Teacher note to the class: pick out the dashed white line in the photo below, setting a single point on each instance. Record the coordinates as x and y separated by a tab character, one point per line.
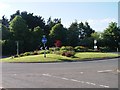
104	71
104	86
65	78
88	82
81	72
74	80
46	75
92	83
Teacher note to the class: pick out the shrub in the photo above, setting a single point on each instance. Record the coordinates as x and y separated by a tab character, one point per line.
21	55
42	52
54	49
15	56
80	49
67	48
104	49
27	53
68	53
35	53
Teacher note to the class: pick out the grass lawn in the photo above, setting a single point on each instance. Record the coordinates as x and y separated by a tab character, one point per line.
59	58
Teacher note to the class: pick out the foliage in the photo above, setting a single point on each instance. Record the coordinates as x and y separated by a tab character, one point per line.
87	42
111	36
72	34
66	48
28	29
105	49
58	32
68	53
78	32
31	20
18	27
80	49
58	43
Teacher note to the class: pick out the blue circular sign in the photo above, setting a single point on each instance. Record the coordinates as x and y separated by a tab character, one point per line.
44	40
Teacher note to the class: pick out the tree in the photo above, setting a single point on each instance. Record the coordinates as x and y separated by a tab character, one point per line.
58	32
37	35
19	30
50	24
5	33
111	36
73	34
31	20
5	21
88	30
13	15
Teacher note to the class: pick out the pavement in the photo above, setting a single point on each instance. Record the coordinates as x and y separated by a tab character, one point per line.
89	74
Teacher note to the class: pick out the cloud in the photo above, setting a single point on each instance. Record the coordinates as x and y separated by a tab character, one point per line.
100	24
108	20
3	5
102	21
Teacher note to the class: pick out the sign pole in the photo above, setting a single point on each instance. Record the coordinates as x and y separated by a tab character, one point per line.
44	40
44	51
17	47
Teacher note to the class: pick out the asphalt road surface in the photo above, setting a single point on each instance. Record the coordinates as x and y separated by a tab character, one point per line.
88	74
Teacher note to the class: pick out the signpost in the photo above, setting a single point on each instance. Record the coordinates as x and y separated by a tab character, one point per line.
44	40
95	46
17	42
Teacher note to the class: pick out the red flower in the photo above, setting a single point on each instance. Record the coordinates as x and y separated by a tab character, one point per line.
58	43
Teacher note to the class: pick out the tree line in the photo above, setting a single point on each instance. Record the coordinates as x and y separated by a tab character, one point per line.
28	29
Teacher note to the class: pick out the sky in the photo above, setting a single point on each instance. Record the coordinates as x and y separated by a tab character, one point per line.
97	14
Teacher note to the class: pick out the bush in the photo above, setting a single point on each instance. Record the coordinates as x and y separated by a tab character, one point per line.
21	55
15	56
42	52
54	49
80	49
35	53
104	49
27	53
68	53
67	48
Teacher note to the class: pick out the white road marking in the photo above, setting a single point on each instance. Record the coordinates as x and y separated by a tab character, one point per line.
65	78
88	82
104	86
74	80
104	71
92	83
46	75
15	74
81	72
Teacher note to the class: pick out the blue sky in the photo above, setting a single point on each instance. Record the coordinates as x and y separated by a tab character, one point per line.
97	14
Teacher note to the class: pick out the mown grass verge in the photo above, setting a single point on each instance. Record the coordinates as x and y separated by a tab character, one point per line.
58	58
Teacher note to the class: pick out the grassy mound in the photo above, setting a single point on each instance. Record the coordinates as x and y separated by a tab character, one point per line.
59	58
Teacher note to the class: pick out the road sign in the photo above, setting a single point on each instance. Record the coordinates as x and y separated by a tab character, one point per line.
44	40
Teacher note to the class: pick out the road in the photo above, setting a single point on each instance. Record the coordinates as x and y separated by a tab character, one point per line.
88	74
